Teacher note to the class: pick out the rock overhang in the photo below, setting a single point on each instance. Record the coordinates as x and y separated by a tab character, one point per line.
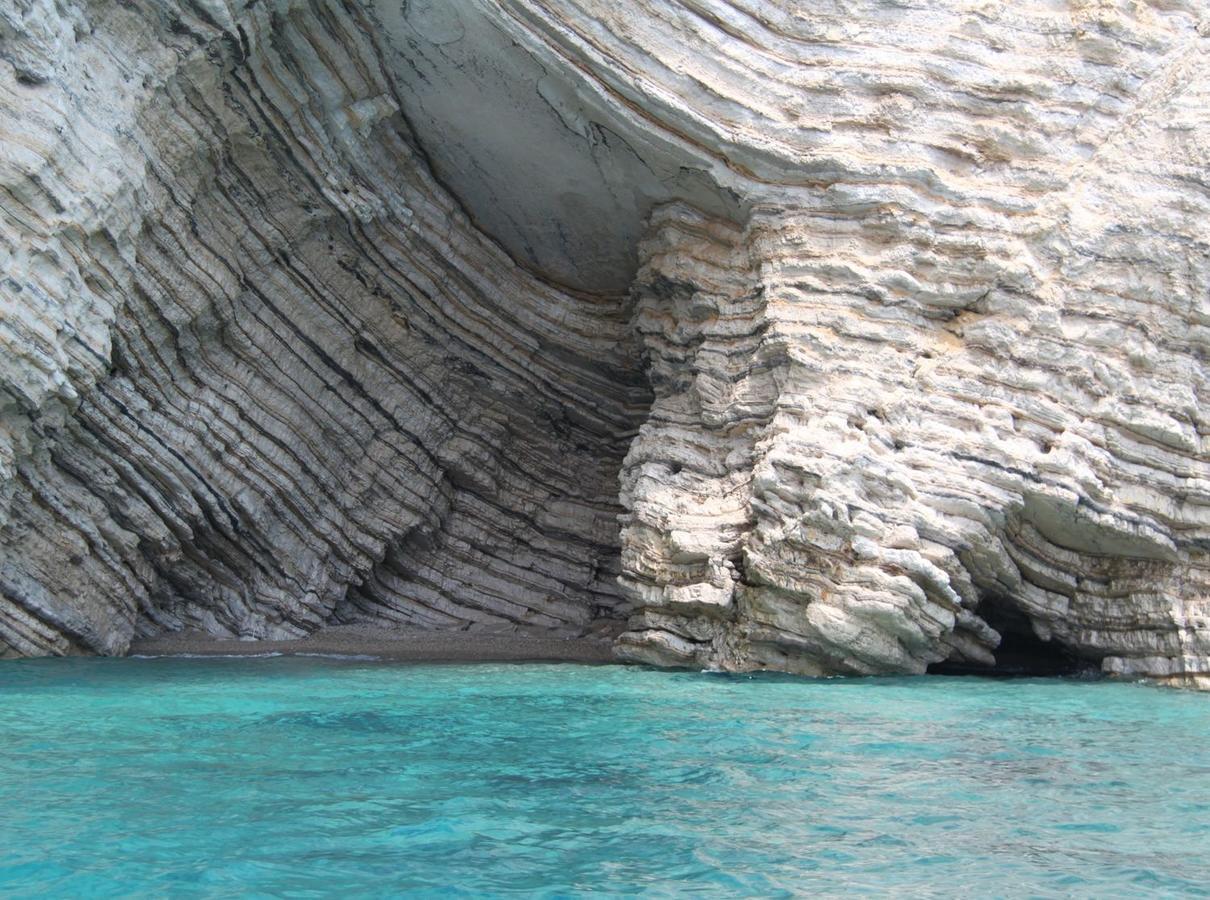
902	364
541	160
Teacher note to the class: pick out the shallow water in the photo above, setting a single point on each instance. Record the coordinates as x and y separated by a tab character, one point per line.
301	777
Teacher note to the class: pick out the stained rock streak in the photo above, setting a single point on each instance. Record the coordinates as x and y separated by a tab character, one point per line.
870	324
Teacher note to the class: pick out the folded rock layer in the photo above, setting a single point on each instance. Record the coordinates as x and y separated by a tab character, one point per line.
881	330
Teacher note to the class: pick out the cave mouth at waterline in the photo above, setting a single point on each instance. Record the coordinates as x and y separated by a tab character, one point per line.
1021	653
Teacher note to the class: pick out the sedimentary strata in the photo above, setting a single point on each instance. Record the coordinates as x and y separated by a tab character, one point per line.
827	338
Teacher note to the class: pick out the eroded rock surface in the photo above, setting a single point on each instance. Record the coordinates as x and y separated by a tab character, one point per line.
880	329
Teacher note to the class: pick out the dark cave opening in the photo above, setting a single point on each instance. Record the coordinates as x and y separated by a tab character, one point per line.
1021	654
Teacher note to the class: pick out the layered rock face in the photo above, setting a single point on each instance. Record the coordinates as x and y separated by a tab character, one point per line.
261	371
881	331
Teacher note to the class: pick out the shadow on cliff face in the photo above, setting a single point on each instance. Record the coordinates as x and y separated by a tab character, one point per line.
1021	654
325	381
560	178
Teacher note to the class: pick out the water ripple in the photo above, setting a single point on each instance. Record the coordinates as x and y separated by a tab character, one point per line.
312	777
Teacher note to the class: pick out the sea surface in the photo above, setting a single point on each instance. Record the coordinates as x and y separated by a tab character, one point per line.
303	777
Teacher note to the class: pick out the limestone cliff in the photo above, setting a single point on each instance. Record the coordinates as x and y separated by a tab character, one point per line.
880	328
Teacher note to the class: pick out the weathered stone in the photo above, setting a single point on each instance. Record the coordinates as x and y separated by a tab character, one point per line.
883	330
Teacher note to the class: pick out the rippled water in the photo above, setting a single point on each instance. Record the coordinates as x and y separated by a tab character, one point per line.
301	777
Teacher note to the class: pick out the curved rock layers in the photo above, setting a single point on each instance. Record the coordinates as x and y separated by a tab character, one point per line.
261	372
325	312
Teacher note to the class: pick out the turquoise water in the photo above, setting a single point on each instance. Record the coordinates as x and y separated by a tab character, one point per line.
310	777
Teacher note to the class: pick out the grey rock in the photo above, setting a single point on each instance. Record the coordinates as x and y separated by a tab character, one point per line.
881	331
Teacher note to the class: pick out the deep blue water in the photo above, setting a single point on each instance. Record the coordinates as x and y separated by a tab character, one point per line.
309	777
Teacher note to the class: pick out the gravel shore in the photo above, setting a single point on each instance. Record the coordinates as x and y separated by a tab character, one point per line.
399	646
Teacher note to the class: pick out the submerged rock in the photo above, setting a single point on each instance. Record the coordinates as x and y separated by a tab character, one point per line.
881	331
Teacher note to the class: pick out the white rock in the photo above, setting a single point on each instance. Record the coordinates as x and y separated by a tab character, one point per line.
880	330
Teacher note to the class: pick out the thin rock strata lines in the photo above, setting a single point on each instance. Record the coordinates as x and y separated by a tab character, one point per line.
825	338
